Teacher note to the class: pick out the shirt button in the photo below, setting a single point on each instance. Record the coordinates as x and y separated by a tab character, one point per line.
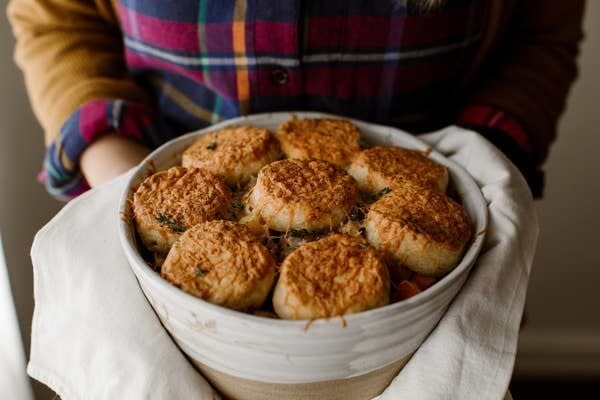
280	76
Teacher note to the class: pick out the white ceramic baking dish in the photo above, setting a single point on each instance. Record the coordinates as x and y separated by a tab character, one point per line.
250	357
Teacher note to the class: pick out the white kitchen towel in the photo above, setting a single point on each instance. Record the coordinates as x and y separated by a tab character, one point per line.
94	335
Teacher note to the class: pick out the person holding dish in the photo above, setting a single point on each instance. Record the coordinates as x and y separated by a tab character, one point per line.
110	80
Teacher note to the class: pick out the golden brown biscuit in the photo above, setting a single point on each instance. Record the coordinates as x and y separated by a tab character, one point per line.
302	194
333	140
378	168
172	201
419	228
233	154
223	263
332	276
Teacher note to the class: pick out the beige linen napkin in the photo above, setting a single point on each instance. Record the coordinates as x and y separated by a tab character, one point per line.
94	336
471	353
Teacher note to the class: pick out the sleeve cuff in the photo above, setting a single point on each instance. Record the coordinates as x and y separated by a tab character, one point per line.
510	137
61	174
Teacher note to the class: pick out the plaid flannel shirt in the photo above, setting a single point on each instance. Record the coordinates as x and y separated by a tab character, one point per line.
384	61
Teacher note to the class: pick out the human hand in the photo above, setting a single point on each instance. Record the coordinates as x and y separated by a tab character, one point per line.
109	156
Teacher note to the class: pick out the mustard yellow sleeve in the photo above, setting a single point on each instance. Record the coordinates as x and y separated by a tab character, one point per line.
71	53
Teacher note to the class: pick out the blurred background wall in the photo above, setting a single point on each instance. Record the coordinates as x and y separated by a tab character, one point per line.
24	205
561	336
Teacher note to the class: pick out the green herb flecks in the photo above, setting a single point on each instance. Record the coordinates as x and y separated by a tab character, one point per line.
212	146
300	233
356	214
200	272
169	223
378	195
237	206
384	191
363	144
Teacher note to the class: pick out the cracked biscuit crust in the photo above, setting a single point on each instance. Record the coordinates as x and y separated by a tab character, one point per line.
223	263
169	202
379	167
332	276
234	154
333	140
421	229
302	194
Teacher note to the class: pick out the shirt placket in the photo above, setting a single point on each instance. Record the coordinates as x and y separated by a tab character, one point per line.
276	76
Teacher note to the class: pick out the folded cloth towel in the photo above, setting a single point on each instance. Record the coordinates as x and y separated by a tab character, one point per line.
94	335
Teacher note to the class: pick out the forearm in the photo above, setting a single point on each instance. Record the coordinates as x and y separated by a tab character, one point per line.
71	55
109	156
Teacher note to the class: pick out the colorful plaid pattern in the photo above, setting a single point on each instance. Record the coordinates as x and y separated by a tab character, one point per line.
496	119
61	174
204	61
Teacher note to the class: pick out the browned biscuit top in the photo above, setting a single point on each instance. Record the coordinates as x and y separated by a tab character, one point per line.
336	275
317	183
334	140
424	211
223	152
399	165
181	197
221	261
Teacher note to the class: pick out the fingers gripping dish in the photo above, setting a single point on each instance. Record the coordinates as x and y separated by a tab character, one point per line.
335	275
233	154
223	263
421	229
333	140
169	202
378	168
302	194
